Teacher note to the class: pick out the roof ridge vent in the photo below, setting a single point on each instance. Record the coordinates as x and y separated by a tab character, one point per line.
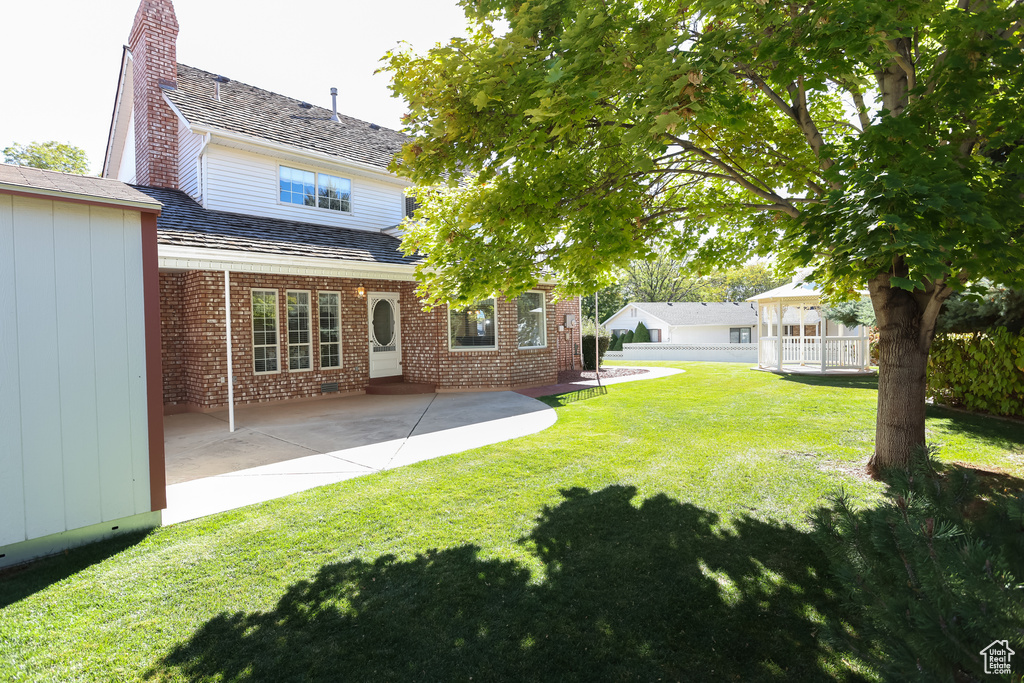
374	126
305	105
334	105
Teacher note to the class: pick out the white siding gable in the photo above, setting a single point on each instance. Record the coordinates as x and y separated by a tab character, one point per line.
189	146
243	182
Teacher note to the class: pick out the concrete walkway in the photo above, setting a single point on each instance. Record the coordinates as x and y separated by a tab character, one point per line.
277	450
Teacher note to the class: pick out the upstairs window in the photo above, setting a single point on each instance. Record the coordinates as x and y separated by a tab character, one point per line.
321	190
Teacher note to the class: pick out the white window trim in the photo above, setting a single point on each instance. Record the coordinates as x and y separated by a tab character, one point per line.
309	331
316	181
470	349
341	354
544	314
277	326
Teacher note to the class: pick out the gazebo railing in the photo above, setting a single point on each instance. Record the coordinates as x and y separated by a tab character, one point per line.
840	352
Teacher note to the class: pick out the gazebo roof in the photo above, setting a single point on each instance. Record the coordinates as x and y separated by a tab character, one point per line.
795	291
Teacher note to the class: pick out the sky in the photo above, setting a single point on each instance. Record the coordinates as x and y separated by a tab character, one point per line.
61	64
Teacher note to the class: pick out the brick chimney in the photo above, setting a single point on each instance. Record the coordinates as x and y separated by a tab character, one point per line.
155	67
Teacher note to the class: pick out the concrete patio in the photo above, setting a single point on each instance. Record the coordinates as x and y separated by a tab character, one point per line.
277	450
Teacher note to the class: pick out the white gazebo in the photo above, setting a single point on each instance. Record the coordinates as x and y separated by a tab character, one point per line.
794	336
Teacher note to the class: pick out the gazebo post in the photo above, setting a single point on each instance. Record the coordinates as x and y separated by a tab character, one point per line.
760	329
780	335
801	334
824	333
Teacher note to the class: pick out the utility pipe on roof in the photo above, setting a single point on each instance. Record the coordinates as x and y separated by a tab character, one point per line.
227	330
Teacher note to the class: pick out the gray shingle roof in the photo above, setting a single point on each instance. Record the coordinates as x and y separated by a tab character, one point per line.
262	114
88	187
186	223
701	313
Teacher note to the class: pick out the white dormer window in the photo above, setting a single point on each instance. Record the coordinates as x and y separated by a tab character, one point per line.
321	190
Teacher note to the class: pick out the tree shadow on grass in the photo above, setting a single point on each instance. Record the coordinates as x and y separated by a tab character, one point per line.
18	583
1001	433
646	592
841	381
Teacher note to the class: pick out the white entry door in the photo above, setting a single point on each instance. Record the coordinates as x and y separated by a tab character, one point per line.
385	334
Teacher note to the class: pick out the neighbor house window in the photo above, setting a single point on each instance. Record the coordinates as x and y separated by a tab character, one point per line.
531	320
299	353
655	334
330	330
739	335
472	327
315	189
264	330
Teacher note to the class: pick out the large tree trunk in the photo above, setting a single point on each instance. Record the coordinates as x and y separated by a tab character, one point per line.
906	327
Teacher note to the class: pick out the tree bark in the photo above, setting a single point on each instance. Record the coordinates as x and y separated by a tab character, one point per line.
906	327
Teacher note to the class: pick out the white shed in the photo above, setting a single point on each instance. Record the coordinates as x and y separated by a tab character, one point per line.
81	430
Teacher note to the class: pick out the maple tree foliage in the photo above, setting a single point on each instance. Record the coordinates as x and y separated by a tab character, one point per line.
875	143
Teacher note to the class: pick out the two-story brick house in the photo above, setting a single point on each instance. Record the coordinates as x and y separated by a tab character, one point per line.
281	273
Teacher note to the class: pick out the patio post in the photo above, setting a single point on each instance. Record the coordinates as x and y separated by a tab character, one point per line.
227	330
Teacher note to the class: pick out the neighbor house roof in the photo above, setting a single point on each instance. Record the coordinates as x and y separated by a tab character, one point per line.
699	313
258	113
186	223
69	186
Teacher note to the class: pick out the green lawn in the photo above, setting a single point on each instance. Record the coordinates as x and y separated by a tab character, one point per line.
657	531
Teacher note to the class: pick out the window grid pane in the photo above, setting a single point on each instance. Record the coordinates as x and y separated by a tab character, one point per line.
334	193
330	330
298	187
298	331
264	330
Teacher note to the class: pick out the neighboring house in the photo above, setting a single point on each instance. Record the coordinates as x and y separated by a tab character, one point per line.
81	410
712	331
689	322
291	209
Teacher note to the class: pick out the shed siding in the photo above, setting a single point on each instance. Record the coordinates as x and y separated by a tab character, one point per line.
189	145
241	182
73	447
12	491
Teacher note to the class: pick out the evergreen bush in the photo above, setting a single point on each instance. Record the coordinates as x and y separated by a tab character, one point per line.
641	335
982	371
588	350
627	338
936	569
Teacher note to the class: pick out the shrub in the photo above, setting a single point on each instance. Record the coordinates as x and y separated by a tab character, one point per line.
935	569
979	371
588	350
627	338
641	334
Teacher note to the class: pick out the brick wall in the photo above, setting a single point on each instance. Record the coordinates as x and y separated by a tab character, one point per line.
195	369
154	66
569	339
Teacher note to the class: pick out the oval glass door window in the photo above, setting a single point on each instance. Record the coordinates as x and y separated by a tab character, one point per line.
383	325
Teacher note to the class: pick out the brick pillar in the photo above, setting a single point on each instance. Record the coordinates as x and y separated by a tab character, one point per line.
154	67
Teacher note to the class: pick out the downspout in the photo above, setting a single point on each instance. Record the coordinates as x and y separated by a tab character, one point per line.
227	330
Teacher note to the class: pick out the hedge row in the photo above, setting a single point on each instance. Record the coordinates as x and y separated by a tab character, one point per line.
979	371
